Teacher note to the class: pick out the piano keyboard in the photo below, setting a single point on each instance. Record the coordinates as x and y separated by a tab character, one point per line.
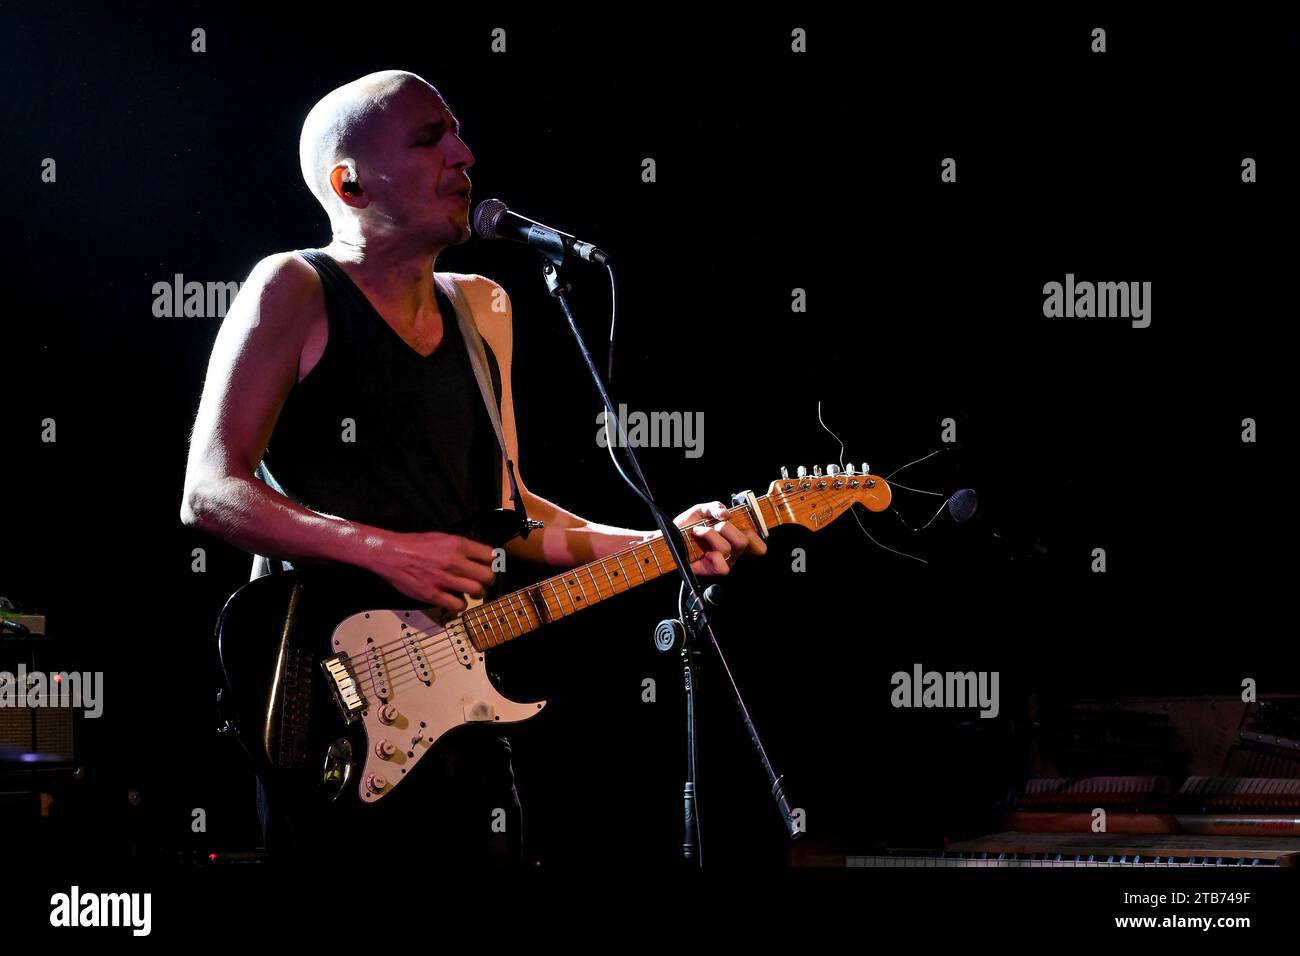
1242	793
1037	860
1031	849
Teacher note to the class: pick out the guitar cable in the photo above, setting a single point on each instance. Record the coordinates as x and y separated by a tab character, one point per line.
854	511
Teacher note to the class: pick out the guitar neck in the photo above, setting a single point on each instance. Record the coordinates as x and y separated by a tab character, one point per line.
494	622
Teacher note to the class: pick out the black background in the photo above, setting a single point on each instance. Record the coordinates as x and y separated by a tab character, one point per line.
775	171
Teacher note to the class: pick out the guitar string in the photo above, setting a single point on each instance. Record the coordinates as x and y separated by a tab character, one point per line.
445	656
488	625
518	595
515	603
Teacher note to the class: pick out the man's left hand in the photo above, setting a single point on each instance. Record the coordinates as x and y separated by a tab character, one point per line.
720	540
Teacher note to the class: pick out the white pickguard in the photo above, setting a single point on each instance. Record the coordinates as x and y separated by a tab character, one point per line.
433	680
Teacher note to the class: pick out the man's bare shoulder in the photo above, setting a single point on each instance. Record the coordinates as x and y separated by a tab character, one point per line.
484	294
490	304
286	282
279	315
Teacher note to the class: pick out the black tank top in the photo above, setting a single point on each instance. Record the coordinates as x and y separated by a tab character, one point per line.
422	455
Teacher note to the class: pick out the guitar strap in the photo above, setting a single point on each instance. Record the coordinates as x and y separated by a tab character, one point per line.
478	361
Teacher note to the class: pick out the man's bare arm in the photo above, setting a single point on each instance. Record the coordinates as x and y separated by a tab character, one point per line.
569	539
253	366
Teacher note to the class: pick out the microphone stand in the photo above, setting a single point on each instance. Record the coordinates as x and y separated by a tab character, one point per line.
697	625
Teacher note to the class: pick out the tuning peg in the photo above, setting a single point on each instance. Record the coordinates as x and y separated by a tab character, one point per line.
817	471
801	472
850	468
866	469
832	470
785	472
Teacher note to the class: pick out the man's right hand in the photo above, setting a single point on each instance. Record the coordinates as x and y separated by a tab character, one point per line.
433	567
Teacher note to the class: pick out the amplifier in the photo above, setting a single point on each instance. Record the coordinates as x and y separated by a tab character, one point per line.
34	623
34	736
44	734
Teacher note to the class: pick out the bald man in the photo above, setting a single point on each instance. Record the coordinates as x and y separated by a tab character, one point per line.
359	330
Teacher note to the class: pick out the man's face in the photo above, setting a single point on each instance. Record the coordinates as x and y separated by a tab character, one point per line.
415	168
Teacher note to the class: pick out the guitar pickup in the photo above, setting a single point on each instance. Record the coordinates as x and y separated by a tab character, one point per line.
420	664
343	683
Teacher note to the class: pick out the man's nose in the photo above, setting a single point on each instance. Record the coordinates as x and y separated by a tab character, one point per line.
465	158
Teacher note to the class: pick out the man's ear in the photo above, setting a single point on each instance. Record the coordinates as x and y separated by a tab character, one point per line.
344	183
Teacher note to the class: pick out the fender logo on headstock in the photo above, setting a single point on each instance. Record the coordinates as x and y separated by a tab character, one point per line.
815	501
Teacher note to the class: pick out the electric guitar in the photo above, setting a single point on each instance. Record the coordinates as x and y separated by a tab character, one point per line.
337	687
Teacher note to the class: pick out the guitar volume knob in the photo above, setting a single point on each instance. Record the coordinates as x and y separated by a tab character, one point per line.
385	749
387	714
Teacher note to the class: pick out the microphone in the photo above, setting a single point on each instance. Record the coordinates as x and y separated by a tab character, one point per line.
962	505
493	220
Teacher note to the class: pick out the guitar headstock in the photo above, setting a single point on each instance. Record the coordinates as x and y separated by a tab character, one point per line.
815	500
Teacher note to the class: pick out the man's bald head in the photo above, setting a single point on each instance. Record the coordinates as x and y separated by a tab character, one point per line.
338	126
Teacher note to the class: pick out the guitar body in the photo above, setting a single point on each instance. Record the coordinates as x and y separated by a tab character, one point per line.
339	689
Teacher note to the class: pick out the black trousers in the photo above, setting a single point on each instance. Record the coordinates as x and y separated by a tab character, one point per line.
460	807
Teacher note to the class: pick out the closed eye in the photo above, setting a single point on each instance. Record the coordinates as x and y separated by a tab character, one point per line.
431	133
